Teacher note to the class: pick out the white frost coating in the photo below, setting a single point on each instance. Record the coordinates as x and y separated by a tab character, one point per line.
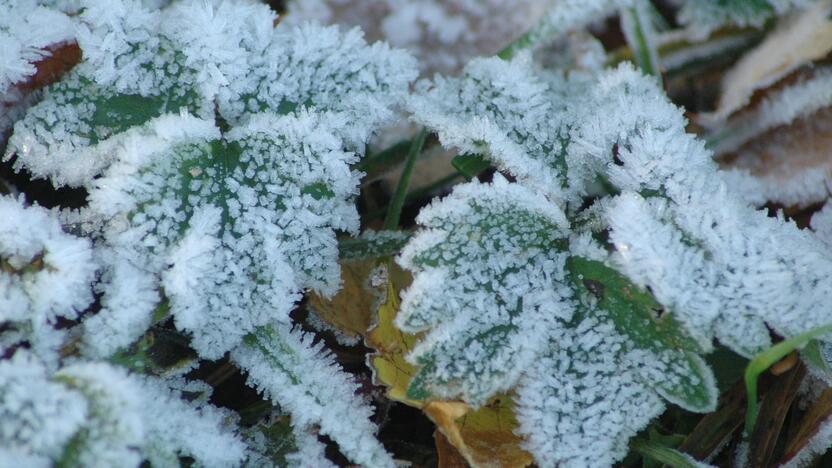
45	274
107	418
26	30
704	16
321	68
176	428
822	224
114	433
311	452
37	417
799	100
180	217
486	276
816	446
578	405
288	368
198	55
507	111
719	265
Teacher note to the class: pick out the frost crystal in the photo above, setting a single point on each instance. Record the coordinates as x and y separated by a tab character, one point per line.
26	30
94	414
489	280
45	274
141	63
288	367
508	111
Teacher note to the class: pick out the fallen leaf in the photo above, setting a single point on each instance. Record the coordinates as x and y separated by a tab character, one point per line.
799	39
351	309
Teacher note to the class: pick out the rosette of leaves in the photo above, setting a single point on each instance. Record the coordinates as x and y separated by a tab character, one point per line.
661	258
505	306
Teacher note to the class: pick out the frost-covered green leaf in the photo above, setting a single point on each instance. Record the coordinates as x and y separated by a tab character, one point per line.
92	414
496	294
579	403
251	214
508	111
489	278
704	16
140	63
45	275
287	366
720	266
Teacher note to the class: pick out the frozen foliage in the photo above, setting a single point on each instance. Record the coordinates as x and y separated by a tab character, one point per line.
141	63
45	274
500	302
508	111
252	215
92	414
27	29
720	266
492	313
704	16
288	367
578	405
711	266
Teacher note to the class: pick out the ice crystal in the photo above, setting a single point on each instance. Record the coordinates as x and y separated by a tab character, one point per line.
288	367
95	414
45	274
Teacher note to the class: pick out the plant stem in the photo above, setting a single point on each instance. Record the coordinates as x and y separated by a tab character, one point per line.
766	359
640	35
394	212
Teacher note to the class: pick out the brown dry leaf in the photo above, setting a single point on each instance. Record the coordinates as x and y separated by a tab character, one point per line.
484	437
799	39
448	455
351	309
820	413
790	165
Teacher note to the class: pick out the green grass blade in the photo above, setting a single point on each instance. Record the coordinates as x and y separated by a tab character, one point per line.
394	212
766	359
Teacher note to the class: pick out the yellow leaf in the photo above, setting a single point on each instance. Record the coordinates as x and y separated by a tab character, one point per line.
351	309
484	437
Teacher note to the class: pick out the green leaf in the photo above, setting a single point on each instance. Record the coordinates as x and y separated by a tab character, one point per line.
470	165
637	315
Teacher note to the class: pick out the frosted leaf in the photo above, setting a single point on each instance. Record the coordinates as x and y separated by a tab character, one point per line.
509	112
253	215
177	428
661	351
288	368
715	262
320	68
274	441
579	403
488	276
822	224
45	274
37	417
113	433
26	29
704	16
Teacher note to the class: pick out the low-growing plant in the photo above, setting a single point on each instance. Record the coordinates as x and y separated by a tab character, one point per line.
549	310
